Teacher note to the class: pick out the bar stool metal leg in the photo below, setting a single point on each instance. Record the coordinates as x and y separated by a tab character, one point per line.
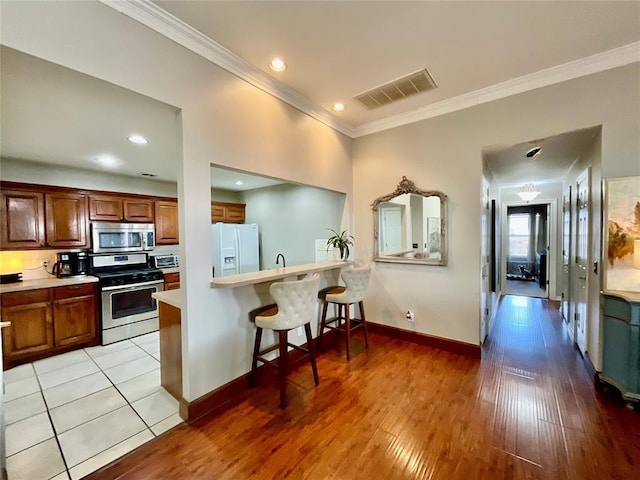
312	354
282	363
256	352
364	324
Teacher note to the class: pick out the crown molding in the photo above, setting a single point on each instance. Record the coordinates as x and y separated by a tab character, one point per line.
171	27
166	24
599	62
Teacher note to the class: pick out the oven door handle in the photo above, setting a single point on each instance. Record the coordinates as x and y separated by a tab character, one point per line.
132	286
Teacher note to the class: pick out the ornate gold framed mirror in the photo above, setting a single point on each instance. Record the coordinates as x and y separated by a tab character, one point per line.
409	226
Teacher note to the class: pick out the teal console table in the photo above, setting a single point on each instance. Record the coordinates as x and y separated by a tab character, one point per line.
621	350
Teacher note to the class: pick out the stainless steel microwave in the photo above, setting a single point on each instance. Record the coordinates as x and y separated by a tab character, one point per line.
122	237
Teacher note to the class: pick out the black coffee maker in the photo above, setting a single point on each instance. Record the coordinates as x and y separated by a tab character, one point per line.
71	264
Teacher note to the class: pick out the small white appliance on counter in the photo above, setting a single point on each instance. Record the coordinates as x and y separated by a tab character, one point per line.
164	261
235	248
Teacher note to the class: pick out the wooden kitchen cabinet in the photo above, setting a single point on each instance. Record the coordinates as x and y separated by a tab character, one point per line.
48	321
74	314
22	222
113	208
227	212
31	330
166	213
66	220
138	210
171	281
105	208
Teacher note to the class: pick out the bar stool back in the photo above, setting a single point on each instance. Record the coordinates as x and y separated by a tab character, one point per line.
356	283
295	307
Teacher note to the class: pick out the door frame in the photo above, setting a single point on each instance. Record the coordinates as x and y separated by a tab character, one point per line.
555	244
584	176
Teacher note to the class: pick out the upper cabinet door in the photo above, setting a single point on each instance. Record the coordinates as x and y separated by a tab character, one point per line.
66	215
138	210
22	223
227	212
166	223
235	213
105	208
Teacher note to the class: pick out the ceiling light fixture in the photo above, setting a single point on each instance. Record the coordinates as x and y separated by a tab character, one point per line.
277	65
137	139
533	153
108	161
338	107
239	182
528	192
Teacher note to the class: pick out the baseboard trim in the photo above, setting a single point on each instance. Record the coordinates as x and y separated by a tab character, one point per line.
590	367
215	401
454	346
237	390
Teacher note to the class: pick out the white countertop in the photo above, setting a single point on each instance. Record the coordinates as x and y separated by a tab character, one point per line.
48	282
628	296
262	276
170	297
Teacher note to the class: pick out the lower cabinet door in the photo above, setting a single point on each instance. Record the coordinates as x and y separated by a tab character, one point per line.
74	320
31	329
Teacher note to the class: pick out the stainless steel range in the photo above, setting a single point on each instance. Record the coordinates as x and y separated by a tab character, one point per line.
126	285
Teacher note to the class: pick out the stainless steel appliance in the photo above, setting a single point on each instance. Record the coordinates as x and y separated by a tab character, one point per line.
122	237
164	261
126	285
71	264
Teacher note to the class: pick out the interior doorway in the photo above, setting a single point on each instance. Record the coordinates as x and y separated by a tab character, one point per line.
527	272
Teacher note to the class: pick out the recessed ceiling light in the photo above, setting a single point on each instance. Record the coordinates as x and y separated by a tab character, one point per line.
277	65
338	107
239	182
108	161
137	139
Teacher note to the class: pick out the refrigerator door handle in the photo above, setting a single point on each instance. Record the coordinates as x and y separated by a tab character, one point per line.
238	251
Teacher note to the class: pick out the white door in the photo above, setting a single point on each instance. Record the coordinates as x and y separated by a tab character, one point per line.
566	256
583	233
391	229
484	266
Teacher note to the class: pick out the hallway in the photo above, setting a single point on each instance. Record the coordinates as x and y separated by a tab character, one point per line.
403	411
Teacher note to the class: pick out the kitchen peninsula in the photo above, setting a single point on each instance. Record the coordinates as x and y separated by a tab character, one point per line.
234	298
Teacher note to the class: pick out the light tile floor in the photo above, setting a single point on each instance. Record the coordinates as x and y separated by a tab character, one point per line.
68	415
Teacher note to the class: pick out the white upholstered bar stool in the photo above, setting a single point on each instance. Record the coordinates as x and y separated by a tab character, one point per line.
356	282
295	306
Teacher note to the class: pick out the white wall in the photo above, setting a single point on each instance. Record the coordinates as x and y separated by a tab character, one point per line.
444	153
224	121
290	218
33	172
218	195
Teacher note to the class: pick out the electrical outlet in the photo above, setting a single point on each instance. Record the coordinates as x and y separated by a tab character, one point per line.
45	264
300	331
409	316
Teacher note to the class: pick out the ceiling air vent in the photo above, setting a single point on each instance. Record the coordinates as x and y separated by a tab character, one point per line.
406	86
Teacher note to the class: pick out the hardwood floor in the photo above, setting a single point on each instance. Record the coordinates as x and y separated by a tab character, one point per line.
528	410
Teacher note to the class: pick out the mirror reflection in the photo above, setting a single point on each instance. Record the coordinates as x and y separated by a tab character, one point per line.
409	226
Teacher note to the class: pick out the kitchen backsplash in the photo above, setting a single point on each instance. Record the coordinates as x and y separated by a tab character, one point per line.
33	260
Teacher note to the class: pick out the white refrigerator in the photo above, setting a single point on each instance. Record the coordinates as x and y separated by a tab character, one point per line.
235	248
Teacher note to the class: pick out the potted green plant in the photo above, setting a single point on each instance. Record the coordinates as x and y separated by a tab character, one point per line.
341	241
